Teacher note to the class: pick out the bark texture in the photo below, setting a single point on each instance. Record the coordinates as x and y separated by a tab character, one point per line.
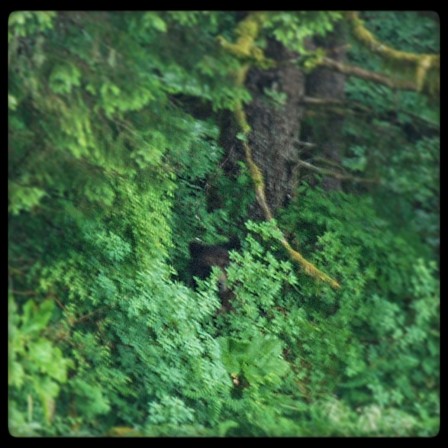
275	126
327	84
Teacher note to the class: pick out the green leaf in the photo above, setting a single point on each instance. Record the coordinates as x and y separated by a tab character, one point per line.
12	102
23	198
36	317
153	20
64	77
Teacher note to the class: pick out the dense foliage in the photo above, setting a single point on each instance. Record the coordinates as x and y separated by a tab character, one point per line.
114	161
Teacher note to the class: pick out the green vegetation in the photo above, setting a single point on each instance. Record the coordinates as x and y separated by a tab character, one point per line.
116	165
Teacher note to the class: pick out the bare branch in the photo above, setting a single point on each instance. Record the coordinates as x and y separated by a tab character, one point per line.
352	70
359	108
313	101
337	175
24	293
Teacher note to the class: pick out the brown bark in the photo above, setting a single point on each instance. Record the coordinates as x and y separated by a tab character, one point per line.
329	85
275	127
248	31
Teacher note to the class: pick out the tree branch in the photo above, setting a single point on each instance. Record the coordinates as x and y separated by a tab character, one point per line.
314	101
352	70
24	293
337	175
367	38
423	68
356	107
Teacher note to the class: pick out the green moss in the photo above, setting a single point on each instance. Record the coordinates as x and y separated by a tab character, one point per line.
423	68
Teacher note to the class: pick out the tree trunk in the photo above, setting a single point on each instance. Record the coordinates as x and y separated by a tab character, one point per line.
275	126
275	115
322	83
